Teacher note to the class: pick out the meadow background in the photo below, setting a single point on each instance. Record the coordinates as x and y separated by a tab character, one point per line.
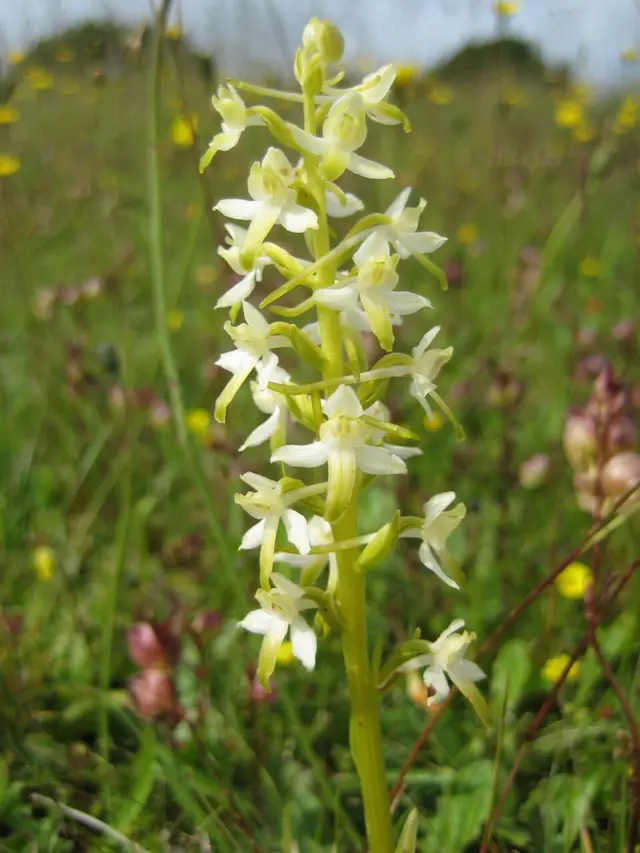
106	523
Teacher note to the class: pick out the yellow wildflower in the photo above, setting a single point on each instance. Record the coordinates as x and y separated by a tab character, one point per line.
175	320
554	667
285	656
182	131
174	32
64	54
569	114
434	422
441	95
467	233
39	79
9	114
590	267
198	423
584	133
630	55
581	92
506	9
44	561
574	581
16	57
406	75
9	165
511	96
206	275
627	116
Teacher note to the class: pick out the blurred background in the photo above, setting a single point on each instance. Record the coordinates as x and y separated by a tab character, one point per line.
126	692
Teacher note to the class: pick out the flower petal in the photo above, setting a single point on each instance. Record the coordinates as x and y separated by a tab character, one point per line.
436	505
302	455
456	625
273	639
263	432
421	243
238	208
337	210
268	549
239	292
236	361
399	203
435	677
305	140
428	560
419	350
469	670
343	401
230	390
368	168
253	536
298	219
257	622
377	460
405	302
297	531
341	482
258	482
304	643
337	298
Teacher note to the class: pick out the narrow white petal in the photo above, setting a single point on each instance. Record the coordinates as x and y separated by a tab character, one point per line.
304	643
416	663
257	622
436	505
403	452
466	669
287	587
343	401
456	625
253	537
405	302
337	298
376	245
375	86
302	455
239	292
377	460
398	205
258	482
297	531
368	168
236	361
255	319
306	141
263	432
337	210
238	208
425	342
435	677
428	559
297	561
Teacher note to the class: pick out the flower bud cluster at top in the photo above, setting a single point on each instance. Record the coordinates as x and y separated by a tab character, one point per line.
354	289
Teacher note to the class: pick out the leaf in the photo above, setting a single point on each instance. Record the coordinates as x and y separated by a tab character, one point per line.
462	810
511	673
409	834
143	772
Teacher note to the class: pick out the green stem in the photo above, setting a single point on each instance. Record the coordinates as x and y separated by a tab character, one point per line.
365	727
176	402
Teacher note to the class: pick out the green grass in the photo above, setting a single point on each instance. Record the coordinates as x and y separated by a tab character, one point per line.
115	497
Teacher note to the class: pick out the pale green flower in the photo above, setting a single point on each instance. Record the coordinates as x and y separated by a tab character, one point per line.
235	119
439	522
252	274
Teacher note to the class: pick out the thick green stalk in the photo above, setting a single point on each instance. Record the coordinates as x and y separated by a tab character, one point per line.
365	728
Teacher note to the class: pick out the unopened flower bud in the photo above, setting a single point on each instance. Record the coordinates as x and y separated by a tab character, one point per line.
621	435
145	646
325	38
153	693
621	473
579	439
606	388
534	471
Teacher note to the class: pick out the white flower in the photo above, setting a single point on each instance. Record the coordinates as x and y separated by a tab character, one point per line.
270	505
271	403
374	288
439	522
253	348
344	131
381	413
233	256
447	659
344	446
373	90
422	366
402	232
336	208
320	533
235	118
280	613
272	201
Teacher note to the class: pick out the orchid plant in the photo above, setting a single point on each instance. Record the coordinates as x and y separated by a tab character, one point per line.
310	529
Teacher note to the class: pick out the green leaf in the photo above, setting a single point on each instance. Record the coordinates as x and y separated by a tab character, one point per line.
512	671
143	771
409	835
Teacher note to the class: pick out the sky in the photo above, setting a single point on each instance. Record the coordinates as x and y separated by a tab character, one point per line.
588	34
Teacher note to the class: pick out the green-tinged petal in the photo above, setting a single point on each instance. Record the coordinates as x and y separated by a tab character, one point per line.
409	835
380	320
474	696
267	551
381	545
334	163
229	392
342	480
390	114
271	643
258	230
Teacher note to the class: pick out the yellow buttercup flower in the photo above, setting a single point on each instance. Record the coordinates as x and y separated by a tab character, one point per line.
554	667
285	656
630	55
198	423
175	319
44	561
39	79
441	95
506	9
467	233
584	133
590	267
434	422
174	32
406	75
9	165
574	581
569	114
183	132
628	115
511	96
9	115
